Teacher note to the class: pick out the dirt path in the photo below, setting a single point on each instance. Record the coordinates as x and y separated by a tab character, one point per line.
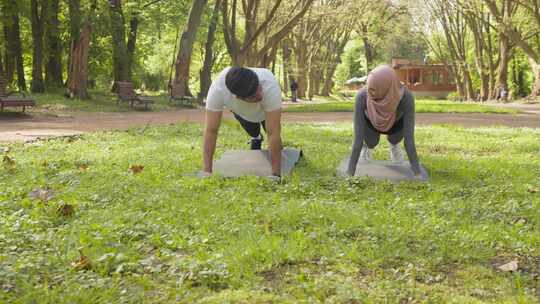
26	127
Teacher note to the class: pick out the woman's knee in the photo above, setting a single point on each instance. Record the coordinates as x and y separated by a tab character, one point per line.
395	139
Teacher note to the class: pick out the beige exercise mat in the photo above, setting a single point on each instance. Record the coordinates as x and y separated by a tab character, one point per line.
384	170
254	162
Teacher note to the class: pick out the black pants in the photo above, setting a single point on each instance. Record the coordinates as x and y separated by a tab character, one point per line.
252	128
372	135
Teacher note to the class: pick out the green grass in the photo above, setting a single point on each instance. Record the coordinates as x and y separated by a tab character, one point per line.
100	102
422	106
162	236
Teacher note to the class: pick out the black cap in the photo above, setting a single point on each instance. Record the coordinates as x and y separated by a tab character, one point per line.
242	82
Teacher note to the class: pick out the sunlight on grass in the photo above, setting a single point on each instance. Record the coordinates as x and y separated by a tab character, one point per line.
422	106
163	236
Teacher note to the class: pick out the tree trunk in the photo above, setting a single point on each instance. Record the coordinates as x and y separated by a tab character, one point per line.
312	80
206	72
77	84
536	72
118	32
286	59
183	60
505	55
53	69
132	43
80	45
13	43
369	54
38	14
467	80
329	80
301	70
9	68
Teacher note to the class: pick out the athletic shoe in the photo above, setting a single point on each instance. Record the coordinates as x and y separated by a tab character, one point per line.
256	142
366	154
396	155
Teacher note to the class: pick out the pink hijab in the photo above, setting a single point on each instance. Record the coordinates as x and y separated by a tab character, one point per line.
384	91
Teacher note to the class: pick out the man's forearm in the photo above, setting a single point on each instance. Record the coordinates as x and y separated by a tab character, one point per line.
209	148
275	153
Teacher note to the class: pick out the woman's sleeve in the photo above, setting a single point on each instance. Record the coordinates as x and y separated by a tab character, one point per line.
359	127
408	132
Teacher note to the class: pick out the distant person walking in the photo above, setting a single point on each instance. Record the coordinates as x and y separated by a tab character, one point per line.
294	91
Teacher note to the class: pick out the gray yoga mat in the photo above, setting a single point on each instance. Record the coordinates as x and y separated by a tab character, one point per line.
254	162
384	170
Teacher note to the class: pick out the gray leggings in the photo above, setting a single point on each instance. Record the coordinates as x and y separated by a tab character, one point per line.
372	137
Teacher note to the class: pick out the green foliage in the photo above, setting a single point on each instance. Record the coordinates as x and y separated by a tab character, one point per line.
352	63
164	236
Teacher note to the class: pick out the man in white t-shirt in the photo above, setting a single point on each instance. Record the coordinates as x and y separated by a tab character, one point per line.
254	97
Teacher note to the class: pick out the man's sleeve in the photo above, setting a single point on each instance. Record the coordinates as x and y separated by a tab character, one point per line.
214	100
272	99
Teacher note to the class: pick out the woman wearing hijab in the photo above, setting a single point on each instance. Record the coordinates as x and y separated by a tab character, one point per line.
384	106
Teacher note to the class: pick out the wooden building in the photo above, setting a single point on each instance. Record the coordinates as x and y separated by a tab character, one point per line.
424	79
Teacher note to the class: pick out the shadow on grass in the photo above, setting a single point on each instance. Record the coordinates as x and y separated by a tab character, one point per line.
14	115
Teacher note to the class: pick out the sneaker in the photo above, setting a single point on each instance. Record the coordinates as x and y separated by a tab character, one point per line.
396	155
366	154
256	143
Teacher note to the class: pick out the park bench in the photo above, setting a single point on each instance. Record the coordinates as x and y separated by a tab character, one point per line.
7	100
176	96
126	93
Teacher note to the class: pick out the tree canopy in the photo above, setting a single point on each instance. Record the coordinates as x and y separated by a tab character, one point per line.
50	44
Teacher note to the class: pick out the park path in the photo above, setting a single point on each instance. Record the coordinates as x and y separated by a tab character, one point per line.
20	128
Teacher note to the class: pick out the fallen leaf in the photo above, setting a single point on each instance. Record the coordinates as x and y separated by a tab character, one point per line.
82	167
8	161
82	263
66	210
136	169
533	190
510	266
43	195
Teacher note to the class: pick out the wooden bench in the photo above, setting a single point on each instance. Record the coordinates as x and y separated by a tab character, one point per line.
176	97
7	100
126	93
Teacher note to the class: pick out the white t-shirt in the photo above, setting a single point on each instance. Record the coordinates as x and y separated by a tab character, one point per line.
219	97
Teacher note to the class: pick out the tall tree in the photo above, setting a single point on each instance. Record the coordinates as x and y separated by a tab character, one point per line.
374	20
183	59
53	68
251	49
81	32
509	28
206	71
12	34
455	31
38	11
118	32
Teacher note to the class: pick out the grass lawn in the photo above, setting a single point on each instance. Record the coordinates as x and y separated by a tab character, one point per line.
422	106
161	236
101	102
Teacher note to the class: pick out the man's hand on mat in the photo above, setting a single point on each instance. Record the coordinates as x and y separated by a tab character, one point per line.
203	174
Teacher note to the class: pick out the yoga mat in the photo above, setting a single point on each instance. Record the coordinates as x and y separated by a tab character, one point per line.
254	162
